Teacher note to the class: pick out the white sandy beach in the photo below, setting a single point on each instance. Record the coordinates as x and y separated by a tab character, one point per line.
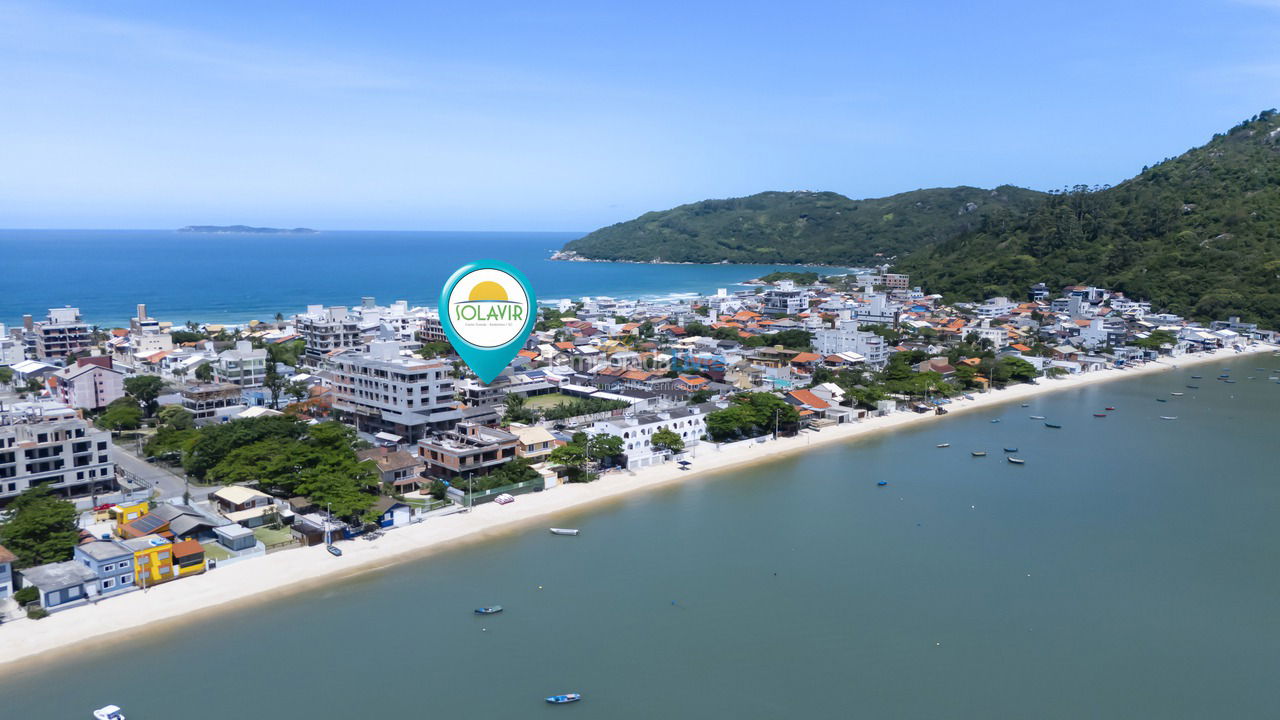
290	571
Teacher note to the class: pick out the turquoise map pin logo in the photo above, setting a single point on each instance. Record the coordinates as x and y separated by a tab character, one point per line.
487	309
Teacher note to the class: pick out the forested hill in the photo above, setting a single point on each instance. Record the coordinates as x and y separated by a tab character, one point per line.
1199	234
802	227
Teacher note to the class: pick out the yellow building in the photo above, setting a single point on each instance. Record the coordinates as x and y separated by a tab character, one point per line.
152	560
125	514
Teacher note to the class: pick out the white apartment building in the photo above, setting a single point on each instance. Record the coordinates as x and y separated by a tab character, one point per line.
785	299
876	309
45	443
325	329
61	333
636	431
384	391
244	365
995	307
846	338
12	349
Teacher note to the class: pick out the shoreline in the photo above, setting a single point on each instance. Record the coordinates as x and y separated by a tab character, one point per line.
264	579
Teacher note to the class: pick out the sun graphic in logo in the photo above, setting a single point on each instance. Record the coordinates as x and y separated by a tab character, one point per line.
488	290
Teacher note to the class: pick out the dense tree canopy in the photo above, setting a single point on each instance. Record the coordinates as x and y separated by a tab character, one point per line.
41	528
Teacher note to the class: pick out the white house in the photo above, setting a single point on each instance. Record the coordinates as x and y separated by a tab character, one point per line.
636	431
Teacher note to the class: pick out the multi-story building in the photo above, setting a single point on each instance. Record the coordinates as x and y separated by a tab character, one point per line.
70	455
846	337
112	564
785	299
243	366
384	391
470	451
636	431
876	309
91	384
325	329
12	349
61	333
211	402
995	307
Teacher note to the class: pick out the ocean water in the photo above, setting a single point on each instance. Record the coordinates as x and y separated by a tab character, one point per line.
234	278
1126	571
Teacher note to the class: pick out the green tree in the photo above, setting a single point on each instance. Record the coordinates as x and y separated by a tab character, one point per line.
516	411
121	414
573	458
299	390
176	417
6	375
145	388
668	440
603	448
204	372
185	336
700	396
434	350
41	528
275	383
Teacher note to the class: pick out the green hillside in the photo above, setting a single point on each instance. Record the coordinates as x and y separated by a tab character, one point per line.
1199	233
802	227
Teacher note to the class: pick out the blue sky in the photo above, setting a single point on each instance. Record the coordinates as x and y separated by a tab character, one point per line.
569	116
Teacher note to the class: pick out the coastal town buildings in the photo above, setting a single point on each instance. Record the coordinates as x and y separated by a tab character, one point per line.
92	383
243	366
111	564
470	450
637	430
383	391
59	449
211	402
60	334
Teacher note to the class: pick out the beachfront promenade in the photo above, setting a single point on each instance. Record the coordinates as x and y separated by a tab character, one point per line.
277	575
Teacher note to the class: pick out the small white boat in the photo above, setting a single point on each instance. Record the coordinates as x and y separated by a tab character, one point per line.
1017	461
1167	417
1037	417
1176	394
109	712
565	531
944	445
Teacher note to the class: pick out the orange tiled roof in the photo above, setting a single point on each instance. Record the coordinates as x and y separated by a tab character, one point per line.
1020	347
808	398
805	357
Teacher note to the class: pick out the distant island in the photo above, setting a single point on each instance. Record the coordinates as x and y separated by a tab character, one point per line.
247	229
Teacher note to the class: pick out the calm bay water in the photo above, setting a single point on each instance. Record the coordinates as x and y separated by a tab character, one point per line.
234	278
1127	570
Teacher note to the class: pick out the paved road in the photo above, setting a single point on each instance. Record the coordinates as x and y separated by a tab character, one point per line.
167	484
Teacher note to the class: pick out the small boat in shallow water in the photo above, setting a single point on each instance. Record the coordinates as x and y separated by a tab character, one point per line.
489	610
1177	394
109	712
1099	414
563	699
565	531
1193	387
944	445
1026	404
1017	461
1110	408
1162	400
1055	426
1011	449
1037	417
1196	377
996	420
978	453
882	483
1167	417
